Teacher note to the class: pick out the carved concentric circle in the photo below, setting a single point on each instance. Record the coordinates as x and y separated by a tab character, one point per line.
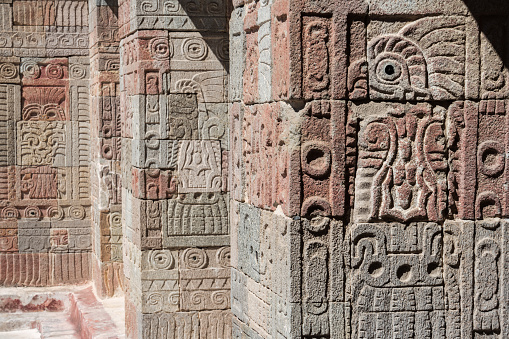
115	219
8	71
161	259
30	69
78	71
223	257
77	212
10	213
316	159
160	48
491	158
389	68
55	213
223	50
317	210
33	212
54	71
195	258
194	49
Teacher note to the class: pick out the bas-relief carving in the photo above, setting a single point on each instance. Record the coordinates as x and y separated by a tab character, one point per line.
417	63
45	153
401	169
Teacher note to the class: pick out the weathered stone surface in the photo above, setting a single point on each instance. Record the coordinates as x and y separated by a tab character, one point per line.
401	166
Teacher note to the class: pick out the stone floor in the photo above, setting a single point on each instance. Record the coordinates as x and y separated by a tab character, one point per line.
69	313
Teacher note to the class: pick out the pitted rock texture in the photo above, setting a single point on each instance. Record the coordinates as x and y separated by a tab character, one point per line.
261	168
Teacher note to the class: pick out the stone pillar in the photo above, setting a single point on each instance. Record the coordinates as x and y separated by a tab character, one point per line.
369	169
45	233
106	147
174	64
288	167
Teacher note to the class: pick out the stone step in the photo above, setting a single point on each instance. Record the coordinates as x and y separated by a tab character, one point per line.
21	334
69	314
90	317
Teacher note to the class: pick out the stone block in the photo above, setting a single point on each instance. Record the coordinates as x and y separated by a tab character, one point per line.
72	14
9	70
193	218
205	279
274	255
7	143
490	51
199	167
265	52
34	237
322	157
150	116
9	240
280	41
271	157
43	143
410	267
109	117
390	175
491	194
319	47
210	86
111	148
426	7
198	51
236	172
212	324
160	281
33	13
10	102
251	71
154	184
357	80
6	15
154	153
440	73
248	241
25	269
237	54
64	44
149	216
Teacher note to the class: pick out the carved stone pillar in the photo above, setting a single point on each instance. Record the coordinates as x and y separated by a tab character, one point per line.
105	137
174	64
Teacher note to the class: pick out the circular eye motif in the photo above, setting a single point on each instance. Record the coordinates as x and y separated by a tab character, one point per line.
77	212
54	71
8	71
32	212
30	69
195	49
316	159
195	258
10	212
78	72
161	259
491	158
389	70
55	213
160	48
